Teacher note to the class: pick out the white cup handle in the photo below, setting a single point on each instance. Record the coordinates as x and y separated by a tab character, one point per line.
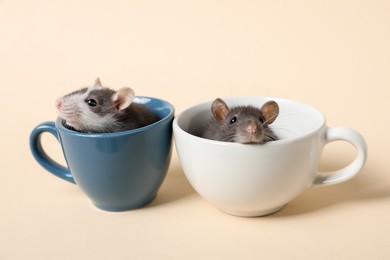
354	138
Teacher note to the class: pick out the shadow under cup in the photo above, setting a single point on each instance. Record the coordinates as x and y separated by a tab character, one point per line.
117	171
256	180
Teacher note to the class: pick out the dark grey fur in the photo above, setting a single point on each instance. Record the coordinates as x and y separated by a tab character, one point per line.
235	132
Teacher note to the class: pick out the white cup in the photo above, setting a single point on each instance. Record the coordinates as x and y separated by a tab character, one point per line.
255	180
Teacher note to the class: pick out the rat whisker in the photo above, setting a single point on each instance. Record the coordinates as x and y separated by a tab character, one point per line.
96	110
269	138
229	137
285	130
268	120
83	127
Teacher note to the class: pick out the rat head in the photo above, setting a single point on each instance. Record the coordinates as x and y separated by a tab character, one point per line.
93	109
245	124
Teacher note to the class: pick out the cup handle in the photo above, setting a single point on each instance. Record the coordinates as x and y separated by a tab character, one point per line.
354	138
41	156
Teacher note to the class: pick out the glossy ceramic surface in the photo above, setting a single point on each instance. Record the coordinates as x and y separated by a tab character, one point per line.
117	171
256	180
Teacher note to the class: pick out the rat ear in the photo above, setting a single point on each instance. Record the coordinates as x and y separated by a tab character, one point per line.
270	111
219	109
98	83
123	98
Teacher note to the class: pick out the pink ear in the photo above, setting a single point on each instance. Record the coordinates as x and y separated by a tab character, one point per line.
123	98
270	111
97	82
219	109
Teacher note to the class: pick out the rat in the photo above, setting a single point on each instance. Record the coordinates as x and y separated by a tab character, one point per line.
241	124
98	109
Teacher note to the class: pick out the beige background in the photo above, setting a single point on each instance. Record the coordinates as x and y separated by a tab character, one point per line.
334	55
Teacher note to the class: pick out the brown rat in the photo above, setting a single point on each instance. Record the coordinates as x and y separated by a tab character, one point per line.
241	124
98	109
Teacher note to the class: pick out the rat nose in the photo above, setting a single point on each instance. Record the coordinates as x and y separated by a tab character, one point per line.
251	128
58	103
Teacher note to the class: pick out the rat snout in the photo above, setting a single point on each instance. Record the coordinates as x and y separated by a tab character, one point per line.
251	128
59	103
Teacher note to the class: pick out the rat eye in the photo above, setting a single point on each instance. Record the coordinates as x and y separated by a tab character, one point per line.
91	102
233	120
261	120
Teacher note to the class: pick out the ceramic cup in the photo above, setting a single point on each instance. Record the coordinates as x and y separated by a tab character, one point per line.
255	180
117	171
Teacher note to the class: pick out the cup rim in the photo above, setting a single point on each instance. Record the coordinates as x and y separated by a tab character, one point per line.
176	126
61	127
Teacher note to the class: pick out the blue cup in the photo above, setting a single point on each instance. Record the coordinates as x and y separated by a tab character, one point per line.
117	171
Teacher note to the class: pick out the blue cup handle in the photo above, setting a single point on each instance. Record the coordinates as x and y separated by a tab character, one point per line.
41	156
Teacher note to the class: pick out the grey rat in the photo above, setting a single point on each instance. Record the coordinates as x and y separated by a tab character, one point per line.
98	109
241	124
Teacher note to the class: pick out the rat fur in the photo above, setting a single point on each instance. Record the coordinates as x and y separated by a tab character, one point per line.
98	109
241	124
